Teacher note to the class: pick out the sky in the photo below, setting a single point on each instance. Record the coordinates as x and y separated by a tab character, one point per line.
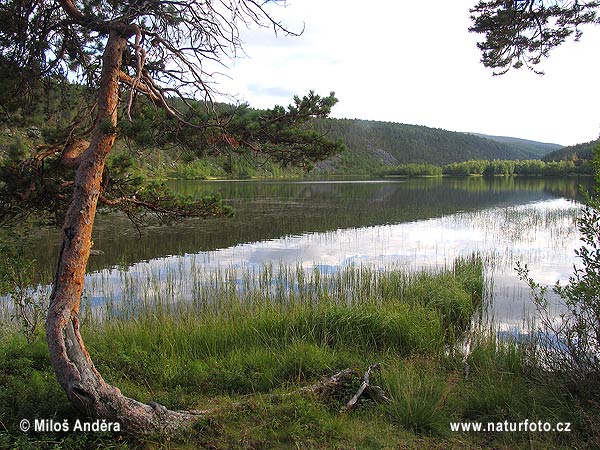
416	63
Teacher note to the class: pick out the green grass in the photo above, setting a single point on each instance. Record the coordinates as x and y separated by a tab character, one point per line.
418	398
245	351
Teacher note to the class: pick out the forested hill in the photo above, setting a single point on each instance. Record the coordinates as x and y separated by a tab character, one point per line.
526	145
371	144
581	151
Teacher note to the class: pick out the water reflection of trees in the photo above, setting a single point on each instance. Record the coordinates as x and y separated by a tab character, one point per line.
271	209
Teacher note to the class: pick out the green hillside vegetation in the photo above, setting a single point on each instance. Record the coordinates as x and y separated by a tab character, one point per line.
155	146
574	152
540	149
374	145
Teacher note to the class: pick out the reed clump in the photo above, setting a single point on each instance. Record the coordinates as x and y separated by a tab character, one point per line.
255	332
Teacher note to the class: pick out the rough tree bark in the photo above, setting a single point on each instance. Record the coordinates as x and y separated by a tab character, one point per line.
209	33
72	363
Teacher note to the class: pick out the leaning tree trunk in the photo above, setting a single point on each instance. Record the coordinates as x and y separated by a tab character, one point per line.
72	363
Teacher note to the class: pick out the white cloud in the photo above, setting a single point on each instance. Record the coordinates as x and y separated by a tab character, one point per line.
416	62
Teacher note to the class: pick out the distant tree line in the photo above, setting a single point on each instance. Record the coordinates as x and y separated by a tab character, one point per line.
531	167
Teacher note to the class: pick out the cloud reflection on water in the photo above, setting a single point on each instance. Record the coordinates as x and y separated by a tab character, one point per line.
541	234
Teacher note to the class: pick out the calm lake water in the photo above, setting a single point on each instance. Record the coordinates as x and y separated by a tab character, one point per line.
411	224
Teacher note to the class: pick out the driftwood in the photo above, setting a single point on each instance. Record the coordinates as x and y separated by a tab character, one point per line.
328	386
375	392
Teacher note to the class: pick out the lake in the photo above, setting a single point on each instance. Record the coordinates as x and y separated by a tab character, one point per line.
411	224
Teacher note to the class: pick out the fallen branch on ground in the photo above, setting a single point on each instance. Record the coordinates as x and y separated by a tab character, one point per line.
375	392
328	386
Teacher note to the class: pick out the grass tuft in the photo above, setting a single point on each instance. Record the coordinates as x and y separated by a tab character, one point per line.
418	397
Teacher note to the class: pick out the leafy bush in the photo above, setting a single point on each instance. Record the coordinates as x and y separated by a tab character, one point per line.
17	274
569	344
